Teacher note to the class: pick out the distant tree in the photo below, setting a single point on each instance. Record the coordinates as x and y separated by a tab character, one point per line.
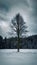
18	26
5	42
1	41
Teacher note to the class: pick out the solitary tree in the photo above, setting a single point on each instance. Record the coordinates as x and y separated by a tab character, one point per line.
18	25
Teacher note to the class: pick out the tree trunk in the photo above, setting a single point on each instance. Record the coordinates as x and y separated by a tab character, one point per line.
17	18
18	44
18	49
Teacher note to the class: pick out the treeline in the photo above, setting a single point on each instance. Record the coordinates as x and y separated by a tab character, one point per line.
25	43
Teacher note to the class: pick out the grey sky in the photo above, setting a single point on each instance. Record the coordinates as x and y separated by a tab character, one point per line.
27	9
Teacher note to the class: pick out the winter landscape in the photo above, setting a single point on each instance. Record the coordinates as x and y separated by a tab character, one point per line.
18	32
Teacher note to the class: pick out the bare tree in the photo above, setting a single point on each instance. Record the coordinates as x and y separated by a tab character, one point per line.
18	26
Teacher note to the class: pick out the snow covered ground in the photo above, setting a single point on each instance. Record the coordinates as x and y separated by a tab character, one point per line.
12	57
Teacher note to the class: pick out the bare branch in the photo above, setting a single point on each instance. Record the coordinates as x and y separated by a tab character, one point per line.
18	25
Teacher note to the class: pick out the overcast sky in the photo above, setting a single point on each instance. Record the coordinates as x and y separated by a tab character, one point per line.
27	9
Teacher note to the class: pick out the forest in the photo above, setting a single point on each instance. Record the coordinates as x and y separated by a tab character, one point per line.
25	43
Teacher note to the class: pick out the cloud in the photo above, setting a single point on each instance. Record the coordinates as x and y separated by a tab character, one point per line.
27	8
